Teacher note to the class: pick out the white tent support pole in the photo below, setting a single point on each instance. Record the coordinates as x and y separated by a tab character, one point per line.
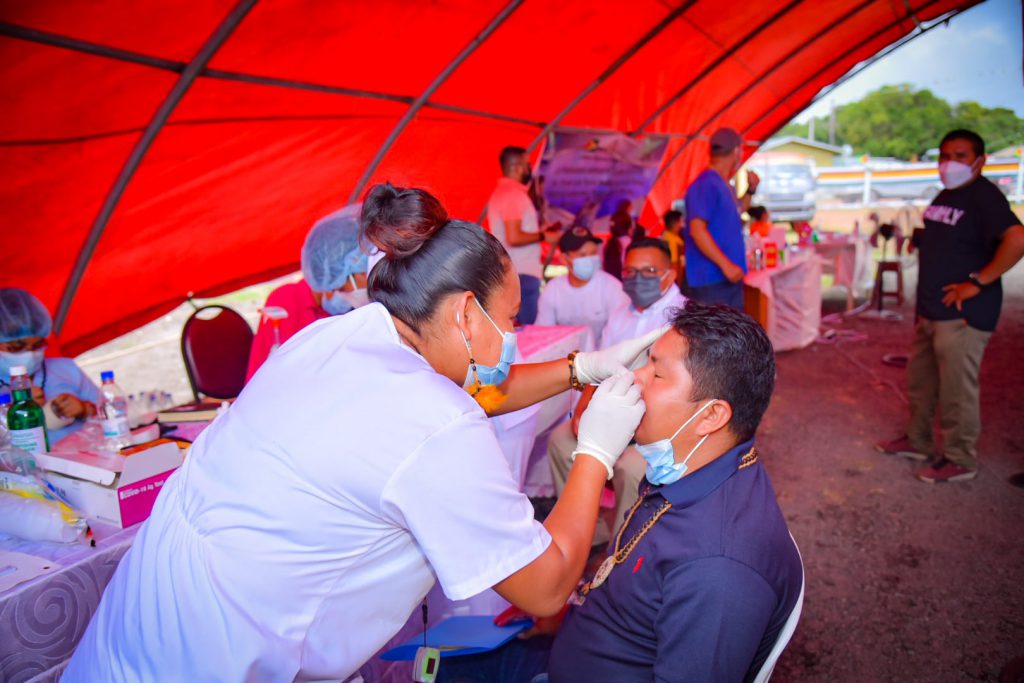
188	76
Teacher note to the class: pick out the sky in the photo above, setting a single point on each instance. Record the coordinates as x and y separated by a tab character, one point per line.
977	56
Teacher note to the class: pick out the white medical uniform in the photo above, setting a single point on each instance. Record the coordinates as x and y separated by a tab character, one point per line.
627	323
311	519
590	305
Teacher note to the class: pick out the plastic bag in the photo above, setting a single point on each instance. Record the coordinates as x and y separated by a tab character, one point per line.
30	508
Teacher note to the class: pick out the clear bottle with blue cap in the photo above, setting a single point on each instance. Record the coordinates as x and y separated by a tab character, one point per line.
114	413
5	434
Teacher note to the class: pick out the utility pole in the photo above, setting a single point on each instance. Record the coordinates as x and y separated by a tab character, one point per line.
832	122
810	130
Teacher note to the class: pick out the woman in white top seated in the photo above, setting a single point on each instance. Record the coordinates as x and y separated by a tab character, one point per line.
355	469
587	295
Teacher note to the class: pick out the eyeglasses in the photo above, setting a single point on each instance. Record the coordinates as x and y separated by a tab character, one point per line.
646	270
19	345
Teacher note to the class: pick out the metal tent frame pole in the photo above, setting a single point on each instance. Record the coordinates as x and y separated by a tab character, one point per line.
765	74
188	76
817	74
663	107
604	76
891	25
415	107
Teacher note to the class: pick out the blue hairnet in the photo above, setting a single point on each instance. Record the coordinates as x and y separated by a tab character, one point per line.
22	315
331	252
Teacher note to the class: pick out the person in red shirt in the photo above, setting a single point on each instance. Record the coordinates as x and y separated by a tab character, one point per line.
333	283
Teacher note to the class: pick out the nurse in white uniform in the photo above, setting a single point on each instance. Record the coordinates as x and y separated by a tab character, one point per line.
355	470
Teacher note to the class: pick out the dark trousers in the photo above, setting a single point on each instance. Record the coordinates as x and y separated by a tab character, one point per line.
728	293
529	287
517	661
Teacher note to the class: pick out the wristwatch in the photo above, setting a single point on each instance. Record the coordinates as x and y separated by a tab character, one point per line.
975	280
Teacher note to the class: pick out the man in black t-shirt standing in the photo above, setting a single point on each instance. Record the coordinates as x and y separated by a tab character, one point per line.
971	237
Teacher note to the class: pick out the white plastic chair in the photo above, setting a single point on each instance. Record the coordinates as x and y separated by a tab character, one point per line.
787	629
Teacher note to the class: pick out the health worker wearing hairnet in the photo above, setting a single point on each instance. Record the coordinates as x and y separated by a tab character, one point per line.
357	468
68	397
333	282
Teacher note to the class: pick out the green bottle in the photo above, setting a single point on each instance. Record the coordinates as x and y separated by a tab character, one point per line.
25	419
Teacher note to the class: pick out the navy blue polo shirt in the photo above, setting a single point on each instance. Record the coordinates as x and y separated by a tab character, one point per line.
703	595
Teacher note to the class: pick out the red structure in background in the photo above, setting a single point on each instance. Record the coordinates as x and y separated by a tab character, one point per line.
151	149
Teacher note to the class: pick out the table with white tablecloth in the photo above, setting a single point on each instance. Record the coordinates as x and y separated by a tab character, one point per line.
793	294
847	255
42	620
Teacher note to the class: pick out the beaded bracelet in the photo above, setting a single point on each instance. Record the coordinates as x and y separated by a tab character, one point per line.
574	381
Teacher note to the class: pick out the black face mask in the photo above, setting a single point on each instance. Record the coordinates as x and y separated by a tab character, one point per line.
642	290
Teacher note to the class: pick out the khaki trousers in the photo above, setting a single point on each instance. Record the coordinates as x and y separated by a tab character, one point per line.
628	472
942	373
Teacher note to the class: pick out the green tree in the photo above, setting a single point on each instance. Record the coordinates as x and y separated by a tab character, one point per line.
903	122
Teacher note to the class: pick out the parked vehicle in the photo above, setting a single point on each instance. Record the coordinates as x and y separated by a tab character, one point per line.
787	186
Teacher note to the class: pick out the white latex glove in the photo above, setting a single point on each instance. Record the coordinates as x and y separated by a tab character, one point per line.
593	367
608	423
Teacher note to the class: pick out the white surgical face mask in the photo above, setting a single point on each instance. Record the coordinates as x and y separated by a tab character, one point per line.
955	174
32	360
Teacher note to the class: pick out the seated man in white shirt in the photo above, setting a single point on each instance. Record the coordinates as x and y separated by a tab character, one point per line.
587	295
649	280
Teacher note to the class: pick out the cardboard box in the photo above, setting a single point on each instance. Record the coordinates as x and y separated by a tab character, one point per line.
116	489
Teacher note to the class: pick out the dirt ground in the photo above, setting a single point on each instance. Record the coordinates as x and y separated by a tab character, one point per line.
905	581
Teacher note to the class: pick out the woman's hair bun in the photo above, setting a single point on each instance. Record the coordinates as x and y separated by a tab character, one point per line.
400	220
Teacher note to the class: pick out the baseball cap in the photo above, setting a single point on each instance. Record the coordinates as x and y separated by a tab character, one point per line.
576	237
725	140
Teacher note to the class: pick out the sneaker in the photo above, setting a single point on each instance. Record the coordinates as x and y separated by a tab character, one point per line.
902	448
944	470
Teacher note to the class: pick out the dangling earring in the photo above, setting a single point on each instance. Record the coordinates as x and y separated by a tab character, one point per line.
488	396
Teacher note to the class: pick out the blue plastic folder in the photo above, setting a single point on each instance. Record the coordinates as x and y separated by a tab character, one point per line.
457	636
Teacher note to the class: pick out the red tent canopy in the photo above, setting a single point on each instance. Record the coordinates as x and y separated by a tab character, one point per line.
152	149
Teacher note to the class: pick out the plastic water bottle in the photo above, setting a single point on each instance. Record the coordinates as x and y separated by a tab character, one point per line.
5	434
114	413
25	418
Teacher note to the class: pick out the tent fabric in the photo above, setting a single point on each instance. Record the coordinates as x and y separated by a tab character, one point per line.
281	111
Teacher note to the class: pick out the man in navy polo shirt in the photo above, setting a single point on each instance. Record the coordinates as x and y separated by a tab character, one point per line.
704	574
716	257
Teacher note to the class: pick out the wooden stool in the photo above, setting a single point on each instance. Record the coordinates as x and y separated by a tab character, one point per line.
880	291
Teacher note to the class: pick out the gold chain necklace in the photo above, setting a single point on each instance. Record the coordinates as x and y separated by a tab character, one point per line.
620	555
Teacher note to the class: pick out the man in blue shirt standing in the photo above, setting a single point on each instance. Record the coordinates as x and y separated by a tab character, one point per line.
716	259
703	576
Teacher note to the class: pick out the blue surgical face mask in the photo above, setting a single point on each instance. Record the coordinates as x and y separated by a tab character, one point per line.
335	304
32	360
662	467
492	374
584	267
